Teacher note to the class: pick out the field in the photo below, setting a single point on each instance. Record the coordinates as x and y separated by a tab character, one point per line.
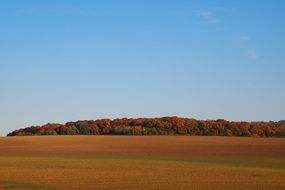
141	162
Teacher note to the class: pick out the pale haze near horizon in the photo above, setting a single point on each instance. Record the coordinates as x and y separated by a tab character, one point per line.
74	60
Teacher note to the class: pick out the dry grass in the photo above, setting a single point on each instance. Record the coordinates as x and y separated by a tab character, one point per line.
125	162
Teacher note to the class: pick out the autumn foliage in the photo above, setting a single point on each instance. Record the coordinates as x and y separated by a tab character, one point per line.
158	126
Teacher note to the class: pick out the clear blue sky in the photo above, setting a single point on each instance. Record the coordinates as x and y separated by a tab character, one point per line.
63	60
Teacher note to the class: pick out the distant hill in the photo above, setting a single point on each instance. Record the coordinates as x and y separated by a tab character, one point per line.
158	126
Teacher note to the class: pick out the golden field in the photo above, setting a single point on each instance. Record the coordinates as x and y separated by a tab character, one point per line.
141	162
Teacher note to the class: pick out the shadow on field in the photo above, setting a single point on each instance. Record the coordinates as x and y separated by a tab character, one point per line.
22	186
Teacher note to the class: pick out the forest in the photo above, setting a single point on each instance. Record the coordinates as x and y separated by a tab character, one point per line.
158	126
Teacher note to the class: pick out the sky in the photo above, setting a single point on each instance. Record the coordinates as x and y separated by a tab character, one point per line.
69	60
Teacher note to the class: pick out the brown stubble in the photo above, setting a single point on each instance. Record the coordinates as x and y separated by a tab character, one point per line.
146	145
142	162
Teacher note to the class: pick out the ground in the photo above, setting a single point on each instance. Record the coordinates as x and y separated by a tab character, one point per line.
141	162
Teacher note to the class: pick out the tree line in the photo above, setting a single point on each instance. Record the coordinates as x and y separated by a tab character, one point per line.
158	126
